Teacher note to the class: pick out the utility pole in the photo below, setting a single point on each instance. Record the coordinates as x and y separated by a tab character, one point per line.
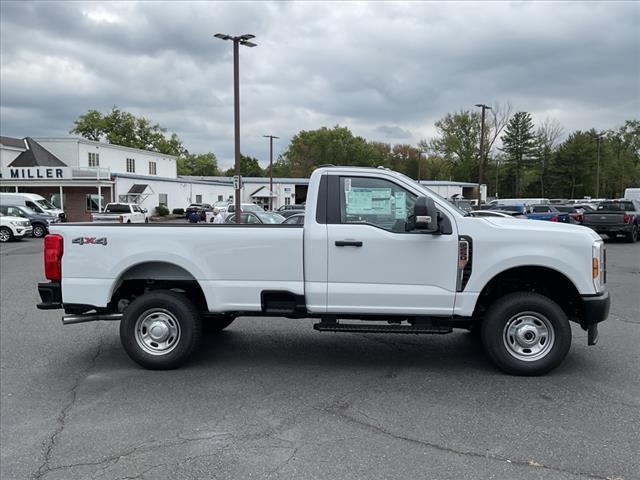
598	168
237	41
270	137
481	169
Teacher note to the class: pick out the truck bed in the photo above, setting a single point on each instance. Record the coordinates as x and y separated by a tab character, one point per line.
233	264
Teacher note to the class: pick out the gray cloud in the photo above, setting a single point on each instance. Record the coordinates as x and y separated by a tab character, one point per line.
386	70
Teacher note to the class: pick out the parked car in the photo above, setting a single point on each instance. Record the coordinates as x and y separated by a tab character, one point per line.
39	222
297	219
289	213
13	228
256	218
575	215
490	213
513	210
615	217
200	208
285	208
121	213
34	201
547	213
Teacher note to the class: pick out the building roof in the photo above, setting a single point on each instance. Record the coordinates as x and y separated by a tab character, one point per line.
151	178
101	144
138	188
297	181
36	156
12	142
263	192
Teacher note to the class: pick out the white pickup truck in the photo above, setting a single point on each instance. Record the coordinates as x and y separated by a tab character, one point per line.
378	253
121	213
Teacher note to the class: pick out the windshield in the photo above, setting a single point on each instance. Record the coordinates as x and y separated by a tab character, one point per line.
117	208
270	217
616	206
252	208
46	205
434	194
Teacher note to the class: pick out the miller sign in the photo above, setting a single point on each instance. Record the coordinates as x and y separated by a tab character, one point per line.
36	173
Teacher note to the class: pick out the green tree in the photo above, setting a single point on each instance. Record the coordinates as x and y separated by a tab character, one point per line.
457	141
338	146
201	165
249	167
518	143
123	128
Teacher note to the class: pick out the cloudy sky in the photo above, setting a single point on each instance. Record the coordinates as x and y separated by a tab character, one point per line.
388	71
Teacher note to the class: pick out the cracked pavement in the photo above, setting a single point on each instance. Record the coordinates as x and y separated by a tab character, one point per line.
271	398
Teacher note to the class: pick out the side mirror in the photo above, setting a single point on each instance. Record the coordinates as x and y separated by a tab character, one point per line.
425	216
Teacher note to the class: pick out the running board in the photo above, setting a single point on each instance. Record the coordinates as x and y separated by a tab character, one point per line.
373	328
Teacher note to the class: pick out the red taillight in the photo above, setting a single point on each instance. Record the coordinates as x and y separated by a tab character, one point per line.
627	218
554	218
53	249
579	218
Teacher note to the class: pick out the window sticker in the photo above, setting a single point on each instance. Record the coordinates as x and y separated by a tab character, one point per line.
400	205
369	201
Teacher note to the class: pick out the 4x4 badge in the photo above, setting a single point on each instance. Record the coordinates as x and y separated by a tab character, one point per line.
90	241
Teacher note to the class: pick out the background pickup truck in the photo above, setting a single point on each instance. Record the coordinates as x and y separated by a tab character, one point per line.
121	213
378	253
620	217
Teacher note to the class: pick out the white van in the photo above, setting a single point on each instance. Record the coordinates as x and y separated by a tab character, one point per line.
33	201
519	201
632	194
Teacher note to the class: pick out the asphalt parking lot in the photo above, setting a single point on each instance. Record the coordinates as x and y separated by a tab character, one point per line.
272	398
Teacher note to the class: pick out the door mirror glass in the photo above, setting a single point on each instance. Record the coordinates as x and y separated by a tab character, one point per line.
425	216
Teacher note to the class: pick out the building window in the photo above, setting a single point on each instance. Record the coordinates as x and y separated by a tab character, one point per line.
287	201
220	198
93	204
94	159
152	168
162	199
131	165
198	198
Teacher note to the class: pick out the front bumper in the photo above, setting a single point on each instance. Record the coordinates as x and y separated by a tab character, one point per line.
595	309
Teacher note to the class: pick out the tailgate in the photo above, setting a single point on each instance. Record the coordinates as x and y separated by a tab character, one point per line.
603	219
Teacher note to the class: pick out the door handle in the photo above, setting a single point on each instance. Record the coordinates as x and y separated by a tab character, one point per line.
348	243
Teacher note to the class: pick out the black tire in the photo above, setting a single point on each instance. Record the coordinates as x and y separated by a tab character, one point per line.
632	236
216	323
167	309
6	235
39	230
523	317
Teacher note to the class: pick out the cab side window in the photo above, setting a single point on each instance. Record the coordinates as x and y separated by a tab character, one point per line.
375	201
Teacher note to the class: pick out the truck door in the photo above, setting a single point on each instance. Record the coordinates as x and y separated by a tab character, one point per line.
374	265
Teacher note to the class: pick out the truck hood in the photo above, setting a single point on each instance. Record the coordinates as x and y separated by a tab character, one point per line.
527	230
530	226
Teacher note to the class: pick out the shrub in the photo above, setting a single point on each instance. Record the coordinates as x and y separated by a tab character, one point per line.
178	211
162	211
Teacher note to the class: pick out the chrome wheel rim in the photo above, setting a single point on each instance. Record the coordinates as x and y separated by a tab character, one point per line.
157	331
528	336
38	231
4	235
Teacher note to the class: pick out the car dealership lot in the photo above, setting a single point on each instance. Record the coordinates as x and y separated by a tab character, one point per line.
271	398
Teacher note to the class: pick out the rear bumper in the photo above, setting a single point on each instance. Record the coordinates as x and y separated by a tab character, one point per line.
51	296
619	228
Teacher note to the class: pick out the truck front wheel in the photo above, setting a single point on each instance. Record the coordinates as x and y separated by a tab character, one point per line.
526	334
160	330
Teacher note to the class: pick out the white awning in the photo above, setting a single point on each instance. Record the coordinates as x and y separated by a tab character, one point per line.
263	192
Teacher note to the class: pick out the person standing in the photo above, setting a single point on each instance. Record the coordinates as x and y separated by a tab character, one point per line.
194	217
217	216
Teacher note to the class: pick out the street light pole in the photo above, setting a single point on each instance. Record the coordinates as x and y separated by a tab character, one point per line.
237	41
598	169
270	137
481	169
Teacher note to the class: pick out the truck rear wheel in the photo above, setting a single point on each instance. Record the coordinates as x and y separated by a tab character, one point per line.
160	330
632	236
526	334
